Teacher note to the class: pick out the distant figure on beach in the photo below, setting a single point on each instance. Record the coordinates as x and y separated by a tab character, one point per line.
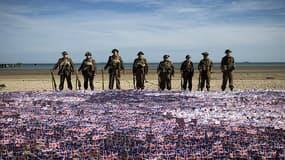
140	69
88	69
165	71
227	67
205	67
66	67
115	65
187	72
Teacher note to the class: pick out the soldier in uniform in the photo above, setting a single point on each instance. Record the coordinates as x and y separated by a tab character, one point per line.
88	69
140	69
187	72
205	67
165	70
66	67
115	65
227	67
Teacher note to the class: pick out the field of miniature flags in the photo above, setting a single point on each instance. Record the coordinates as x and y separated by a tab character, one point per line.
142	125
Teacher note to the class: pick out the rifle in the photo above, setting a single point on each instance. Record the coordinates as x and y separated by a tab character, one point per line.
199	82
53	82
102	72
78	83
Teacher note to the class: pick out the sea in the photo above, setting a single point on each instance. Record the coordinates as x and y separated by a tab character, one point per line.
128	66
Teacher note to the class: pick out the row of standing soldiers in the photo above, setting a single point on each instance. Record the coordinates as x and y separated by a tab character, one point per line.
165	71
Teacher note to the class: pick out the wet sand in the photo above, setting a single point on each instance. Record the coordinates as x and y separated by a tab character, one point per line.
245	78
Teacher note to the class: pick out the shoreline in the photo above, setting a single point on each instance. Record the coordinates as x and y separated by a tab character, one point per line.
245	78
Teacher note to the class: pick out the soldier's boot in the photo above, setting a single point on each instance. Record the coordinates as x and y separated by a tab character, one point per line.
231	87
69	85
61	86
86	85
208	89
91	85
190	87
224	86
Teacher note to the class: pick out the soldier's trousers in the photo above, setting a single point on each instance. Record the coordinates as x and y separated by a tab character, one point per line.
205	78
227	76
88	77
68	79
165	81
187	78
140	78
114	75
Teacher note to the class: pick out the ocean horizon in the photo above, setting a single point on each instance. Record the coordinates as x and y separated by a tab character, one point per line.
128	66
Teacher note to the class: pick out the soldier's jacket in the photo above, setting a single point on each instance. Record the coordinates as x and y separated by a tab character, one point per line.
227	63
187	66
140	65
165	67
65	66
115	63
88	66
205	65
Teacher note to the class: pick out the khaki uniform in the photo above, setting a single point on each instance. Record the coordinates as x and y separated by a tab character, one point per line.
165	70
140	69
88	69
205	67
227	67
187	71
66	67
115	65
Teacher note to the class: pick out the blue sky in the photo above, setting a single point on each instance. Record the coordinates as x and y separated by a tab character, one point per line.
37	31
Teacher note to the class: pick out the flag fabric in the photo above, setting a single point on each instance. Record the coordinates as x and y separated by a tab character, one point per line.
146	123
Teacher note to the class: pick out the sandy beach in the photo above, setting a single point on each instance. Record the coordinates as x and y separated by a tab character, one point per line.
245	78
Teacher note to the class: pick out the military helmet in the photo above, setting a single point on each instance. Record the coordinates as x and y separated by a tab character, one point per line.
88	53
140	53
188	56
115	50
205	53
228	51
64	53
166	56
